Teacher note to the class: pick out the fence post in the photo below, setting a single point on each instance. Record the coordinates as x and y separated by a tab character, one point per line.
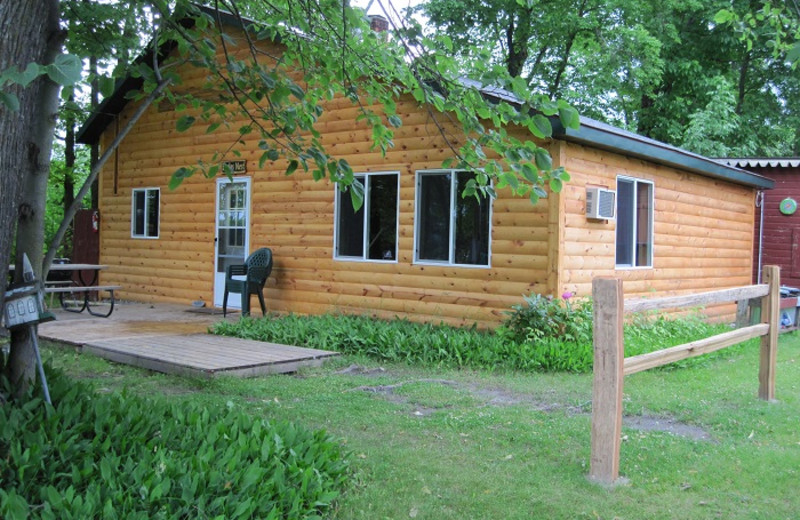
609	356
770	314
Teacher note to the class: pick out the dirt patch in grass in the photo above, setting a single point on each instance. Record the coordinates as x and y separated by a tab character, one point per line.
666	424
498	396
358	370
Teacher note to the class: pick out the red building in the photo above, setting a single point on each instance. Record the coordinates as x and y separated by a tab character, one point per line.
777	227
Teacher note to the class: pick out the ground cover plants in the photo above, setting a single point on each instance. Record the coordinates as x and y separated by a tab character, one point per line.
448	443
541	334
118	455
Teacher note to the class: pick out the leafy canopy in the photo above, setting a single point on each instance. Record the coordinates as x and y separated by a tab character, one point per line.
673	70
259	92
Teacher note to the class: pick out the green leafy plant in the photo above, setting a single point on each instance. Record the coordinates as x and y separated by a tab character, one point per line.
543	334
541	317
123	456
648	332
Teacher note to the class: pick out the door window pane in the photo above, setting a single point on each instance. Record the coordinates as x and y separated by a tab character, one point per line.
232	221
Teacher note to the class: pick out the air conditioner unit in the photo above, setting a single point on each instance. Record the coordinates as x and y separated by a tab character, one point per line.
601	203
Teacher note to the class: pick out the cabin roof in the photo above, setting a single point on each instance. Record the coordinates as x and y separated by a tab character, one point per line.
590	133
606	137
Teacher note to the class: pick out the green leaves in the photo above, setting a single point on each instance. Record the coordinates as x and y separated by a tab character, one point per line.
65	70
10	101
180	174
22	78
264	97
569	117
184	123
121	456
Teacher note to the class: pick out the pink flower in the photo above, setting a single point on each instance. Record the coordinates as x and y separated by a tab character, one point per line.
567	295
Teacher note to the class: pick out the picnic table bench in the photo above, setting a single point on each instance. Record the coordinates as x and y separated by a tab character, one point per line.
83	297
69	280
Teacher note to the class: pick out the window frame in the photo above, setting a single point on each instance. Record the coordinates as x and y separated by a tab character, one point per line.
344	197
635	224
455	196
146	208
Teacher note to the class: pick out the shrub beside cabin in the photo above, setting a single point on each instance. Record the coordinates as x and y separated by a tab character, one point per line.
683	223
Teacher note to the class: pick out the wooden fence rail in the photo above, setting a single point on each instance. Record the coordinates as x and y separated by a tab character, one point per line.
610	364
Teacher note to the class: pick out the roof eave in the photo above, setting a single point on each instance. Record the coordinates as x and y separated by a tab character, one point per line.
657	152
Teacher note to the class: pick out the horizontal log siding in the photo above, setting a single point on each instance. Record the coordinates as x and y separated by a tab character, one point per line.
295	217
702	230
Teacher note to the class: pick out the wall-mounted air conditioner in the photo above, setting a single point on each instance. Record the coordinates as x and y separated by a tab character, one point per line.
601	203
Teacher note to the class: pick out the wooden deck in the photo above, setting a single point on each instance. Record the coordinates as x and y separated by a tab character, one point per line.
175	343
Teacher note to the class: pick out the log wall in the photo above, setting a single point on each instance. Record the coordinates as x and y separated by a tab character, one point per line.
703	236
295	217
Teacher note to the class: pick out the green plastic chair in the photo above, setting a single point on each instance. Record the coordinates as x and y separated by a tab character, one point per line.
256	269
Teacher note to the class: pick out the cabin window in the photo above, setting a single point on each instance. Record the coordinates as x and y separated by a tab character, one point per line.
145	213
634	223
451	229
370	233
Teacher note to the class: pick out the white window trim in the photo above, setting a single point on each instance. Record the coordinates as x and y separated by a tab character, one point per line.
451	246
133	213
339	194
625	267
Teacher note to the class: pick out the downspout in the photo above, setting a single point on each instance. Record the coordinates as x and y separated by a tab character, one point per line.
760	204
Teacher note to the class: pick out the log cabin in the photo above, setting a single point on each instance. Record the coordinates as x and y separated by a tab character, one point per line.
665	220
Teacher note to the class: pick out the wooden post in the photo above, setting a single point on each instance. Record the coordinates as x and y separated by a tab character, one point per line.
609	356
770	314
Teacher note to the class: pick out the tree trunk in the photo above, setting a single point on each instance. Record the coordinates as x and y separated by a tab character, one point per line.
17	25
744	68
32	28
517	36
562	66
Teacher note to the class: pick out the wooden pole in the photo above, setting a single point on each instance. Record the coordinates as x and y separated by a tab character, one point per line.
609	355
770	314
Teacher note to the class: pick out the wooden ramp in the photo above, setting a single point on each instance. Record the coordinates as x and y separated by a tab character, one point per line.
180	346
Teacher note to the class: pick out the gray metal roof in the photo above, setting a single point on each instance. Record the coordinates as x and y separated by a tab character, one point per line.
761	162
604	136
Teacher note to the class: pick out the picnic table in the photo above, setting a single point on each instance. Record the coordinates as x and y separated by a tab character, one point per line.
80	282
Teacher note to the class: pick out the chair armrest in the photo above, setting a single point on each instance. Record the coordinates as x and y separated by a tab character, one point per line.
235	270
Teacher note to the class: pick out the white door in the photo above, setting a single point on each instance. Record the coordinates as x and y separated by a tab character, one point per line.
232	240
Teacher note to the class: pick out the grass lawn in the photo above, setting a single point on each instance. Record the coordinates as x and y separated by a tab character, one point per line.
444	444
